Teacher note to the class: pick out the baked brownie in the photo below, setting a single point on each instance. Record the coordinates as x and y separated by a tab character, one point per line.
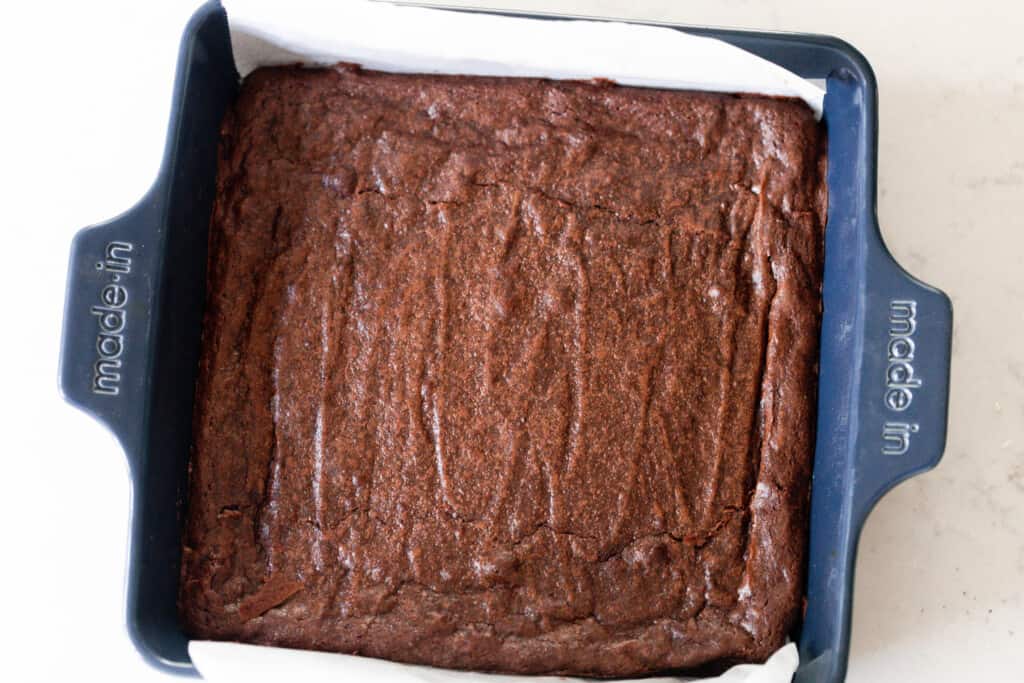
507	374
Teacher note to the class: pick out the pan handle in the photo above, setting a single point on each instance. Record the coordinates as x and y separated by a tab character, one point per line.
105	345
904	396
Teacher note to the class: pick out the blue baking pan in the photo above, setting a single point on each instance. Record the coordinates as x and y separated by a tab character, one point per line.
136	287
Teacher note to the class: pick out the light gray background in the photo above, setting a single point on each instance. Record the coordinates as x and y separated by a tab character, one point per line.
940	579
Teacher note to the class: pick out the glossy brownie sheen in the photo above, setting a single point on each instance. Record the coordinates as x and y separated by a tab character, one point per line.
507	374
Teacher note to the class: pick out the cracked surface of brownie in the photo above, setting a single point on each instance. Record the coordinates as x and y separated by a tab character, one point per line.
507	374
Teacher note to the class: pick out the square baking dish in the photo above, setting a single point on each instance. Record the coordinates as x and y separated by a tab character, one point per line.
136	289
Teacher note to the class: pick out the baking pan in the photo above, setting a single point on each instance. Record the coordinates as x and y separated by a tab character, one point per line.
136	287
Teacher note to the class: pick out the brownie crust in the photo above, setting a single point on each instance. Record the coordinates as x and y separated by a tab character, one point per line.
506	374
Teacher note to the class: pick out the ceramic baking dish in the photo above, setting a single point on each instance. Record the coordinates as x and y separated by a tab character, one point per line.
136	289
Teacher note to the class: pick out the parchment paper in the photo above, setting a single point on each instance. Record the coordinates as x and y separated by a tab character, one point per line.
421	40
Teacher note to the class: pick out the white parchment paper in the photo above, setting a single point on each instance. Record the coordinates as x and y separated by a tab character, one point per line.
419	40
238	663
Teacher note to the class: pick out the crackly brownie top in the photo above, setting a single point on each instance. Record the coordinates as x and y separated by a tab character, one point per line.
506	374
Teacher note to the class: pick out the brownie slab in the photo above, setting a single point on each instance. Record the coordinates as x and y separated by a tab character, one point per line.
506	374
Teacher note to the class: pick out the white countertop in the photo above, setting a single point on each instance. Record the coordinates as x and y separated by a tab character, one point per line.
940	576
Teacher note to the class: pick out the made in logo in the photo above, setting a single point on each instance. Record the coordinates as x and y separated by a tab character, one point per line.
111	318
900	379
